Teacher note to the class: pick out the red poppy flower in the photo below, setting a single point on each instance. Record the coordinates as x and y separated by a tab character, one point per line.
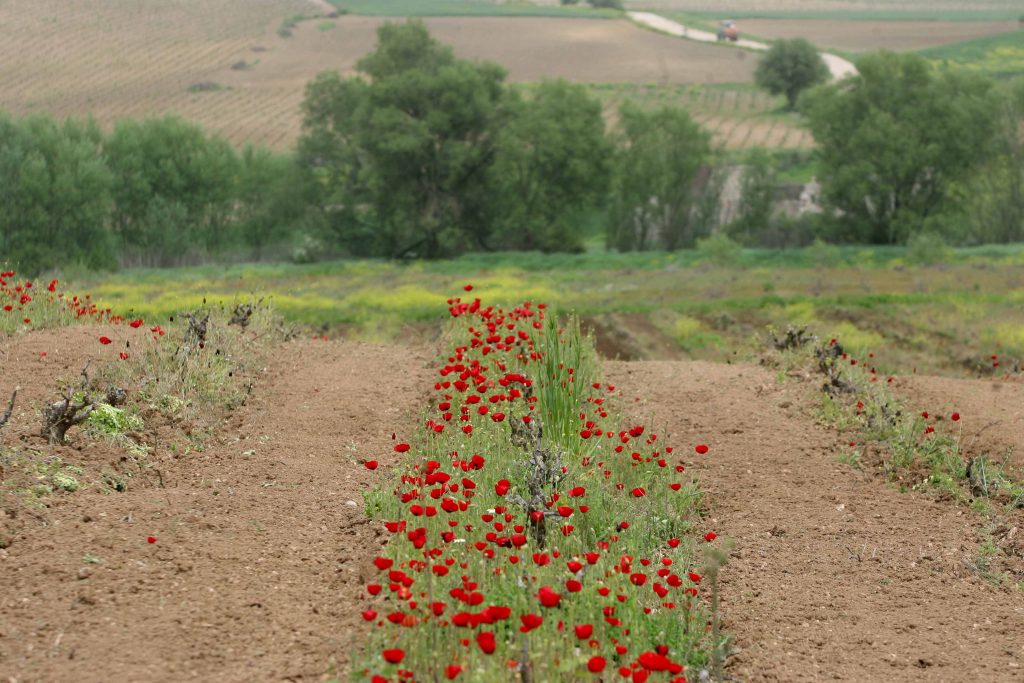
955	417
701	449
452	671
548	597
104	340
710	536
485	639
401	448
136	323
371	464
393	656
583	631
530	622
151	539
596	664
502	487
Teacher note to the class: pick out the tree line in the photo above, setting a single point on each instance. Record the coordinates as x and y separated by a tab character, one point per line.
159	192
423	154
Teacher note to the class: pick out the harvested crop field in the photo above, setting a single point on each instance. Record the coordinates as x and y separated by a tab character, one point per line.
531	49
228	69
130	58
864	36
738	116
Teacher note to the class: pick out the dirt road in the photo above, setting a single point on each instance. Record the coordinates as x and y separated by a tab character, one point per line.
840	68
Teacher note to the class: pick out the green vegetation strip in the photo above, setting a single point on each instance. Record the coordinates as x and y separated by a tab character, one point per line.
935	317
999	56
924	13
466	8
535	534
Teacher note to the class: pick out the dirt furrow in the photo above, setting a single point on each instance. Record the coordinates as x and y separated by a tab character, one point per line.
832	575
260	540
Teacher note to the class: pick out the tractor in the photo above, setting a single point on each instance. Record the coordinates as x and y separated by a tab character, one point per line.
728	31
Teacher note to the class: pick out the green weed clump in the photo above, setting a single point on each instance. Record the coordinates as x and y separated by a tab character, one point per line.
195	369
918	450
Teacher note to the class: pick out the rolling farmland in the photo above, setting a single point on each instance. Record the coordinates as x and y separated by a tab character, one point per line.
864	36
228	70
737	116
131	58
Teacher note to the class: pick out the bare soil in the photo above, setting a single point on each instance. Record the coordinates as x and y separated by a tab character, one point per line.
864	36
832	575
260	538
262	541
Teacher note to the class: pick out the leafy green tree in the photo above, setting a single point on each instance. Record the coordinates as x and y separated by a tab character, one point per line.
790	67
174	189
659	156
894	139
403	158
552	166
757	199
273	199
55	194
993	197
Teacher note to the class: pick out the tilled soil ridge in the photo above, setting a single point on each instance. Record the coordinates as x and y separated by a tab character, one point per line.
833	576
259	539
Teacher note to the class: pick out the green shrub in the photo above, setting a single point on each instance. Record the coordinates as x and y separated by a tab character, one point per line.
927	249
719	249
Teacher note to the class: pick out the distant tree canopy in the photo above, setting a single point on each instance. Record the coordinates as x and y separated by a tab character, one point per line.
406	154
552	165
156	192
790	67
174	188
423	154
894	139
54	193
660	154
429	155
991	200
